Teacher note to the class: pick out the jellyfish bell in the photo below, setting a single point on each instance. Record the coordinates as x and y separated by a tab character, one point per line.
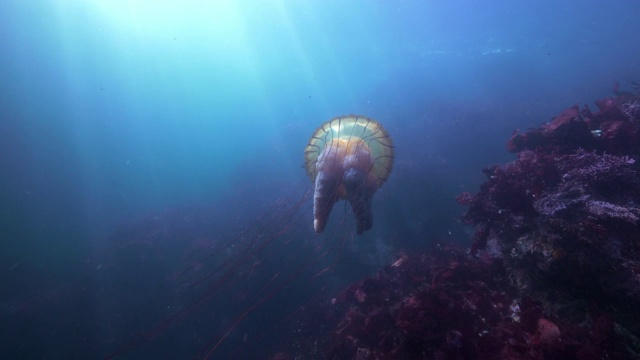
349	158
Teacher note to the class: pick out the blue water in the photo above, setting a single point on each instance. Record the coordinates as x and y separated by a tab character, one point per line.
111	110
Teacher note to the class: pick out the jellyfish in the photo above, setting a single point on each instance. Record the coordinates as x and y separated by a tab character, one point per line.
350	158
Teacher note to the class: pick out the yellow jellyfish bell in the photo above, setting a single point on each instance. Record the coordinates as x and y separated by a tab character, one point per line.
348	157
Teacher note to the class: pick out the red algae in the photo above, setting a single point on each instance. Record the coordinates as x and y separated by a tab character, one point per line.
563	220
443	304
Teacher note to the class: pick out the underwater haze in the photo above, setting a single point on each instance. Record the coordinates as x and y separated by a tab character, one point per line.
113	112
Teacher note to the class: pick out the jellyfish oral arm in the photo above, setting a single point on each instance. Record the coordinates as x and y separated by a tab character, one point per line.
359	196
359	184
327	185
344	173
324	197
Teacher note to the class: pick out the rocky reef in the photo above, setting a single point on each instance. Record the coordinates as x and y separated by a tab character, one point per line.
553	271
